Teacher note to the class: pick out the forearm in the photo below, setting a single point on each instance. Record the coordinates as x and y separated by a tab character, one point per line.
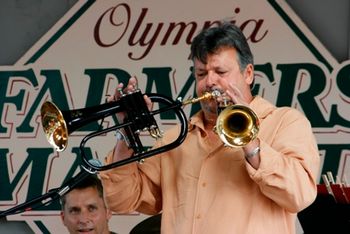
288	178
118	184
128	188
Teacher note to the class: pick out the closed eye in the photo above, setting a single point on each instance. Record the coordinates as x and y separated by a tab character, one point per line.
221	73
200	75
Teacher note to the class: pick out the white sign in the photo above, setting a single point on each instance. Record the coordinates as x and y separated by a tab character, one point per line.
97	44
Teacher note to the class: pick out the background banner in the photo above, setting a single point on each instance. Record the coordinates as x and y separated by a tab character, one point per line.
97	44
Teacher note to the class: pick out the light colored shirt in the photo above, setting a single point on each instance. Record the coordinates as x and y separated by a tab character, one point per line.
203	187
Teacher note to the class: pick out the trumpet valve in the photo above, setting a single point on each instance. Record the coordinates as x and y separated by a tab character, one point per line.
155	133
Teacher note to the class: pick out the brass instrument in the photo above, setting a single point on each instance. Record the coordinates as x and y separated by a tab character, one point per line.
58	125
236	125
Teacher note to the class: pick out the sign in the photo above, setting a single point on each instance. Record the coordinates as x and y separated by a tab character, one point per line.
97	44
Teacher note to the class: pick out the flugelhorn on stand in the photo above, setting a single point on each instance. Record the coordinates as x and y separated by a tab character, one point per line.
58	124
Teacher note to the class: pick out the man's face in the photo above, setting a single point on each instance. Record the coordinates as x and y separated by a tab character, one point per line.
85	212
220	72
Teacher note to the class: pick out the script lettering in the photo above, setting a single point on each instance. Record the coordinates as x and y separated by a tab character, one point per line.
115	23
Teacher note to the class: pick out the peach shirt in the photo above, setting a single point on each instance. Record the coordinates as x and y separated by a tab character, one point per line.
203	187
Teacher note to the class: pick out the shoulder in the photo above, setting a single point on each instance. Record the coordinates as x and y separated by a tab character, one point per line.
280	117
290	113
267	109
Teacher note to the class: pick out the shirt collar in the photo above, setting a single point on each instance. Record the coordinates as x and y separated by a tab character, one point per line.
196	120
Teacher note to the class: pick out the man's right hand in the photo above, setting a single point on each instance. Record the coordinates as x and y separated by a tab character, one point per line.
122	150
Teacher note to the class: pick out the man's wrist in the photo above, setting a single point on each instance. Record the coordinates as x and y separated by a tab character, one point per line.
253	153
121	136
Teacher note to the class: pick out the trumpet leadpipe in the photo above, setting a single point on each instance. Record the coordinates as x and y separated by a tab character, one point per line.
205	96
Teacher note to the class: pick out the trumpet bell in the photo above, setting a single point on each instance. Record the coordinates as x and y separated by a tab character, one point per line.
237	125
54	125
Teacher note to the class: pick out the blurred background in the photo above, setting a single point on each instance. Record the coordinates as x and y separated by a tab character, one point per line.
24	22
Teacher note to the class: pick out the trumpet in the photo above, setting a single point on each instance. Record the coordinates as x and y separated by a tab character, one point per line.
236	125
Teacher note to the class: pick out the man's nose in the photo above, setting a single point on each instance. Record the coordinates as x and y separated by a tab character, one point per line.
84	217
211	79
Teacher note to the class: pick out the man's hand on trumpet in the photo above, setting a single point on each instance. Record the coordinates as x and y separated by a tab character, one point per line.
235	96
131	87
122	149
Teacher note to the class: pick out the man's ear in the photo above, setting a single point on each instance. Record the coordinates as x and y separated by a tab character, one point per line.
249	74
108	213
62	216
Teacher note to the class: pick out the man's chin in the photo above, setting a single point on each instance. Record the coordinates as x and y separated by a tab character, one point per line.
210	108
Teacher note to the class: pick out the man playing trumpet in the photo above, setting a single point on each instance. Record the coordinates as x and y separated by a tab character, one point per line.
203	186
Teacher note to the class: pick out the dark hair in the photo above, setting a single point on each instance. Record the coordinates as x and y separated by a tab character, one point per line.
90	181
226	34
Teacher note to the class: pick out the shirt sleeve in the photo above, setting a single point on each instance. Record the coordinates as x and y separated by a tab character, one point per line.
127	189
289	163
